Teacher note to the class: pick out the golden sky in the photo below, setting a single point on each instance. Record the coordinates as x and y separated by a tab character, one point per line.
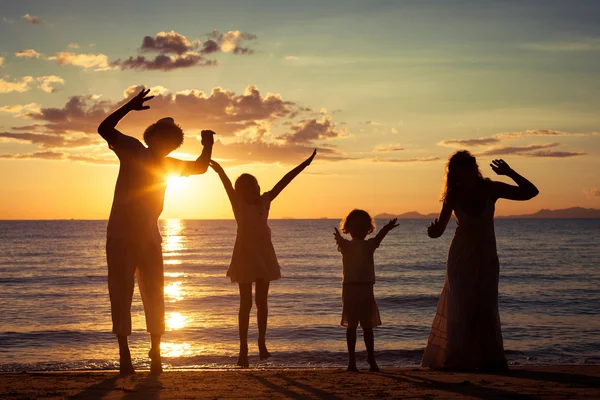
386	91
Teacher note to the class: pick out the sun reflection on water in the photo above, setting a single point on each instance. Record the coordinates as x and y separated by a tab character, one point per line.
173	241
173	291
175	321
171	349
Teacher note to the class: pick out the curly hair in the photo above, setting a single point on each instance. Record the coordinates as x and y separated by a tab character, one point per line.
359	218
461	158
169	133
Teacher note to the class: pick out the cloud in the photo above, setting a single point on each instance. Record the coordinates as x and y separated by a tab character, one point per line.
407	160
469	142
7	20
56	156
372	123
2	61
290	58
244	124
51	140
164	62
389	148
85	61
310	130
33	20
73	46
46	82
19	86
534	150
259	151
231	41
483	141
175	51
43	155
394	130
21	110
29	53
168	42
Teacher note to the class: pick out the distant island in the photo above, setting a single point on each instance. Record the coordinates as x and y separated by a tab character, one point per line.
573	212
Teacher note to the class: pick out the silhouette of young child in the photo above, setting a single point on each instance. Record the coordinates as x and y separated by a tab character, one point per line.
358	300
133	245
254	258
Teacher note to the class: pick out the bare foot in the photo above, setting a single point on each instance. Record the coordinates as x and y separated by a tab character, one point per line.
125	364
156	361
243	359
352	367
126	367
373	365
262	351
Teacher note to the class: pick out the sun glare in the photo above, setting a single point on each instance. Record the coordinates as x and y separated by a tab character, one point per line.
175	321
176	182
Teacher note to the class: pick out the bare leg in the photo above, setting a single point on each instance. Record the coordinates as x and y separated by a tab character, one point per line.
351	341
262	314
244	321
154	354
370	344
125	364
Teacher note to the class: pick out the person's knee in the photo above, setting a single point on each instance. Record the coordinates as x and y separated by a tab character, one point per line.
246	304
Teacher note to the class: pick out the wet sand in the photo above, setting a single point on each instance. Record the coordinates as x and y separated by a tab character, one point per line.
540	382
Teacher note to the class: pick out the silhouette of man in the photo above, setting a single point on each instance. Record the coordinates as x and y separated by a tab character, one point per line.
133	245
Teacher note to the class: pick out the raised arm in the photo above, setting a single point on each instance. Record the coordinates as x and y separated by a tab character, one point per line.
524	191
290	176
107	129
438	226
339	239
384	231
226	182
200	166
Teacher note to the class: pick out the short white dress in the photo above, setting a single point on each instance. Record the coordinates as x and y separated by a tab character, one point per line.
253	257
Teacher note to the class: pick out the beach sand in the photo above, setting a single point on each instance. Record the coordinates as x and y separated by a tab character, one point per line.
552	382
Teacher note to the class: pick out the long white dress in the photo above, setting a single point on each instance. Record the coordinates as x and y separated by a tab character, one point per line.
466	332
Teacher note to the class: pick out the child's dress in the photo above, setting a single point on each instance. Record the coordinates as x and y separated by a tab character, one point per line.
358	300
253	254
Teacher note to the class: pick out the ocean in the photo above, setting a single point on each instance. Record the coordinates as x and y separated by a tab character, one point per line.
55	311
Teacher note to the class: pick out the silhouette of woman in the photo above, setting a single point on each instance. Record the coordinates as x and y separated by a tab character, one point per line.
466	328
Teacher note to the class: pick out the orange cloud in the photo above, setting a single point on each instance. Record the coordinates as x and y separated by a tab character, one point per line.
33	20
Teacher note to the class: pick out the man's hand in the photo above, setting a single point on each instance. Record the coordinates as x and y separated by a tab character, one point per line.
207	137
137	102
501	167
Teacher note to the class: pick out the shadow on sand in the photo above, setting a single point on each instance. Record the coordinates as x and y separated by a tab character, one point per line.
148	388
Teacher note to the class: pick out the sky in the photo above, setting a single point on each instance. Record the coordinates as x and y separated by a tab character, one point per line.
385	90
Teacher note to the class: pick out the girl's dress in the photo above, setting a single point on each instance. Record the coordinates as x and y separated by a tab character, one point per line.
358	300
466	329
253	254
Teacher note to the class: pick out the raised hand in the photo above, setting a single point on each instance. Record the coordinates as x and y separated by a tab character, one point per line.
501	167
433	230
207	137
392	224
216	166
309	159
337	235
137	102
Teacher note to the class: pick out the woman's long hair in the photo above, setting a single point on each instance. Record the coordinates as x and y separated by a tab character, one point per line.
462	158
